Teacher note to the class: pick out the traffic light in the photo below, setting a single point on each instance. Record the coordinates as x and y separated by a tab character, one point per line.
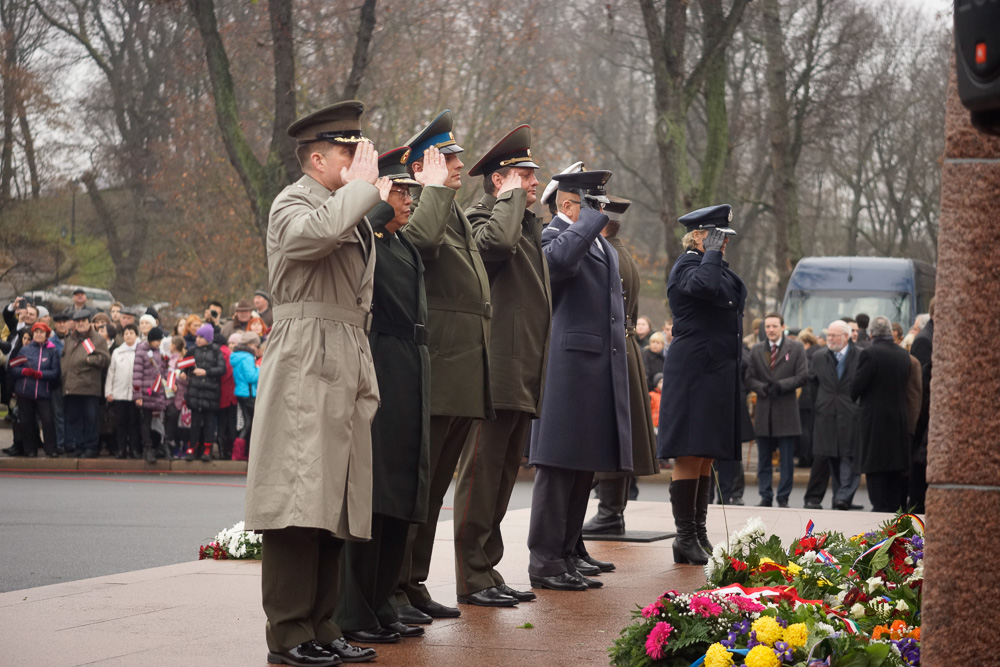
977	47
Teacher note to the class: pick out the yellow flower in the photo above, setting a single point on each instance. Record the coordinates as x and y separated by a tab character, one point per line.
796	634
794	568
767	629
765	559
761	656
718	656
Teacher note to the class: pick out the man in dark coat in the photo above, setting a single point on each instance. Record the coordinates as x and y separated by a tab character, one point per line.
581	431
835	427
458	324
922	348
777	368
612	488
401	429
880	386
509	238
700	405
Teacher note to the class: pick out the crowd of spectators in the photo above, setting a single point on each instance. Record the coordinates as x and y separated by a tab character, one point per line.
84	383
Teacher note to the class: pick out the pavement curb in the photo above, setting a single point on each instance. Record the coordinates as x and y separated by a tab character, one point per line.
105	465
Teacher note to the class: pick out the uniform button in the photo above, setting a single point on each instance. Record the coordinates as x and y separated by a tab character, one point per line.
730	303
612	320
614	351
359	300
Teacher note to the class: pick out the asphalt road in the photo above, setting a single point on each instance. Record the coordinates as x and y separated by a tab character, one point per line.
57	527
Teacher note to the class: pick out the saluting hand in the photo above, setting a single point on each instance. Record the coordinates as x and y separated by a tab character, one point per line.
384	186
714	240
512	181
435	170
364	166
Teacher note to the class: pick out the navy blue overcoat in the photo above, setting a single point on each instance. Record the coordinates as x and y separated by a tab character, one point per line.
701	371
584	422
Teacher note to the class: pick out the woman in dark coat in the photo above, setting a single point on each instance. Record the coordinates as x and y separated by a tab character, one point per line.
35	370
699	407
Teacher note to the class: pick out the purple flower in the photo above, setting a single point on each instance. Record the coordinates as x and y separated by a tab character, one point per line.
730	642
917	542
753	640
742	627
783	651
782	622
909	649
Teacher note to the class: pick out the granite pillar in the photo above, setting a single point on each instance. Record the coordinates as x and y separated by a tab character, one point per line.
962	556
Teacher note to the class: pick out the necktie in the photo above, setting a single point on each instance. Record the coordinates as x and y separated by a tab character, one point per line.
840	363
774	355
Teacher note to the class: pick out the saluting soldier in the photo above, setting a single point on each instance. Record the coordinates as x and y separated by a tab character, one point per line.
584	425
401	428
458	320
612	488
310	469
549	193
509	238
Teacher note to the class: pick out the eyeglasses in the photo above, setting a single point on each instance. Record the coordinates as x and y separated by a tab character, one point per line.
405	194
573	201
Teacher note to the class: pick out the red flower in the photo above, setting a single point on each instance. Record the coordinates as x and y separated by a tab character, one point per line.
738	565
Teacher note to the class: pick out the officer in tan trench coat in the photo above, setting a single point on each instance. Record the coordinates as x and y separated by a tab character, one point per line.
310	472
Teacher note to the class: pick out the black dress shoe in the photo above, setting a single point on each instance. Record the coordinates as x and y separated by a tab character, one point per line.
783	503
559	582
584	567
861	507
813	506
409	614
347	653
587	581
404	630
602	565
376	635
613	524
438	610
841	505
520	596
306	654
488	597
764	502
736	501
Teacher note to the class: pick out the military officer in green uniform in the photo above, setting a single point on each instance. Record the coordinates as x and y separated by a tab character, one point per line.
458	324
401	428
309	474
612	488
509	238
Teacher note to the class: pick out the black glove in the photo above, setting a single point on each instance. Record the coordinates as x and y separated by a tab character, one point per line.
764	391
714	240
773	389
590	201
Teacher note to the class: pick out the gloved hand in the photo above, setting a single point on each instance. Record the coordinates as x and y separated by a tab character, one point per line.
773	389
764	391
714	240
31	373
589	201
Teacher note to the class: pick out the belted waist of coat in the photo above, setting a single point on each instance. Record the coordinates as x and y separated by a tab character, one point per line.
322	311
460	306
415	332
629	327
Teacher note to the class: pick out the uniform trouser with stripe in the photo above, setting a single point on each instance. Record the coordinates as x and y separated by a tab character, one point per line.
447	439
558	505
300	576
487	471
370	575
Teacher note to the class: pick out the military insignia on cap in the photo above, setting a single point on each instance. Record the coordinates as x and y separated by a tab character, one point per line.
438	133
391	166
405	157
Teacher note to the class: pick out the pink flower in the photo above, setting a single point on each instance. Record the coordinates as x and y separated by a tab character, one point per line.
652	610
657	640
702	604
746	604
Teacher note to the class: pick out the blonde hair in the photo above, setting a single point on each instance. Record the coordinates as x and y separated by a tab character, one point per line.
690	240
658	336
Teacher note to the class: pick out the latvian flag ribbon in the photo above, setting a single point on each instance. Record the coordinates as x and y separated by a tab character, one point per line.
172	381
18	361
155	389
88	345
185	363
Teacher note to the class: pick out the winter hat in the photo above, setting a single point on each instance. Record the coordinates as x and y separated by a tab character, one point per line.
155	334
657	378
43	326
206	331
264	294
249	338
234	339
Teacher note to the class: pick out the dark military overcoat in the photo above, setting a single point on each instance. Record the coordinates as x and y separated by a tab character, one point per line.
643	437
510	244
458	306
585	422
701	371
401	430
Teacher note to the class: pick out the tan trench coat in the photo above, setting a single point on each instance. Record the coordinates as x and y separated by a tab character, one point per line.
310	456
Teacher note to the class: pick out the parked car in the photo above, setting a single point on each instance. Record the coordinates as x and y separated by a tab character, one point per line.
60	297
822	289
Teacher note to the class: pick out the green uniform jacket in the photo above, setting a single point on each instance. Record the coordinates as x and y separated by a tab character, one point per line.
458	306
401	430
510	242
643	438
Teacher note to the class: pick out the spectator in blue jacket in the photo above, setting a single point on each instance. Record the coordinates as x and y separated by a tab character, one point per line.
33	380
245	374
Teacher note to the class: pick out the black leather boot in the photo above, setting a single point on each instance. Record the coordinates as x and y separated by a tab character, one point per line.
683	500
610	518
701	511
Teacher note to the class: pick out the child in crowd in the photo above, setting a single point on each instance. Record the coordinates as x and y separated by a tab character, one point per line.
245	374
203	392
654	399
175	435
149	378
